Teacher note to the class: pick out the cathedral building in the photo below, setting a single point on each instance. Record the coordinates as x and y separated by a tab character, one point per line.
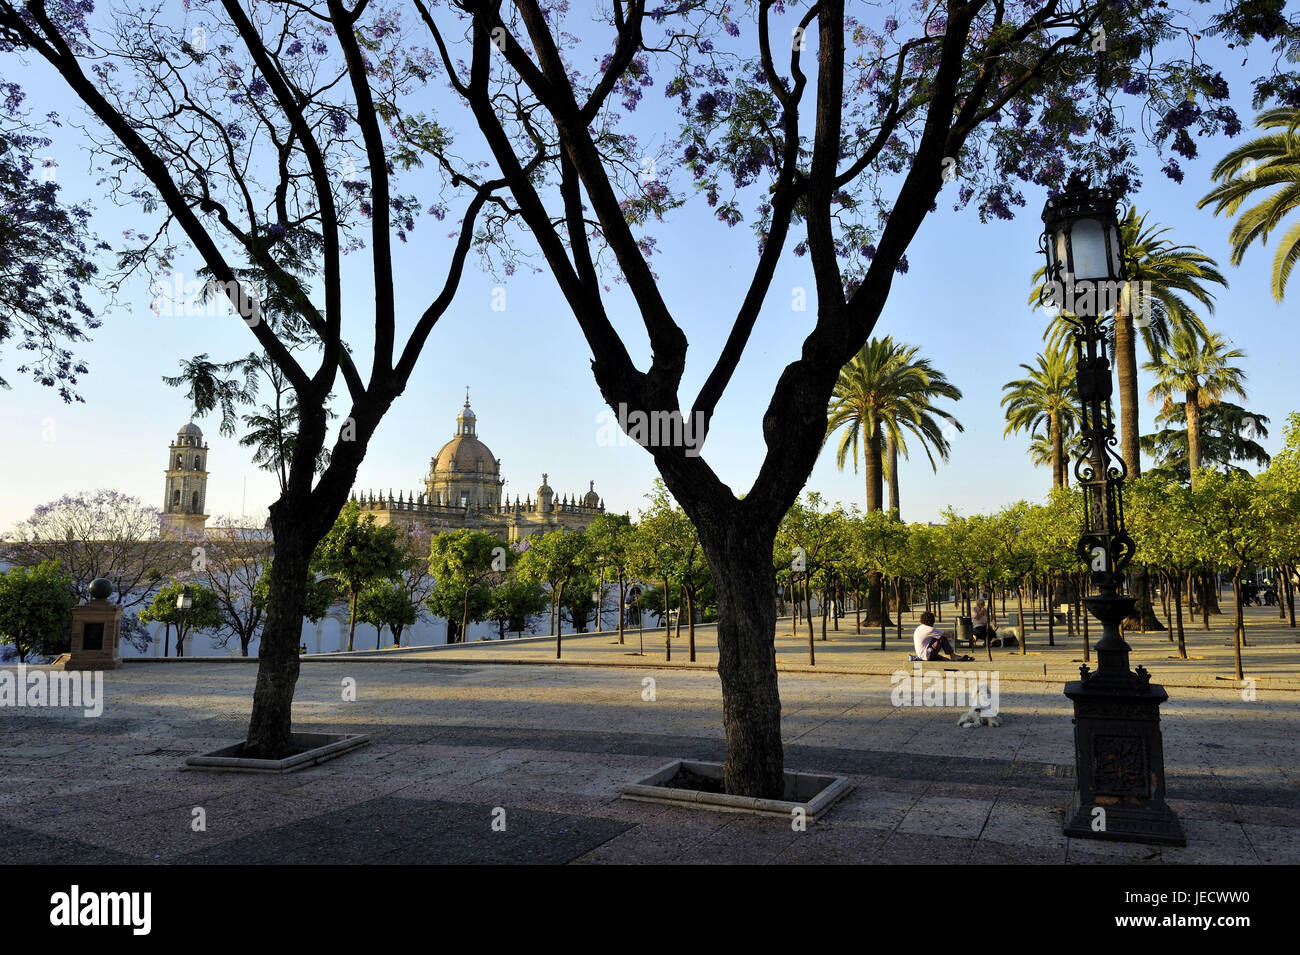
463	489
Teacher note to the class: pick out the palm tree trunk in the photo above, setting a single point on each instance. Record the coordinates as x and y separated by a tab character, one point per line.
1058	452
873	467
1193	409
1126	374
892	461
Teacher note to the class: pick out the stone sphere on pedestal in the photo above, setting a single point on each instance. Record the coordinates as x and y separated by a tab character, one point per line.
101	589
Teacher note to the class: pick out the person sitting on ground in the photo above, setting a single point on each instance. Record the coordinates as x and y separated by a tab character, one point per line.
932	644
980	621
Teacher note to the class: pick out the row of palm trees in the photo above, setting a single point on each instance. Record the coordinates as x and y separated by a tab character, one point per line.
1193	367
888	391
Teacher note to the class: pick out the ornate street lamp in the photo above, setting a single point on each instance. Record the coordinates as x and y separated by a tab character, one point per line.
183	603
1118	749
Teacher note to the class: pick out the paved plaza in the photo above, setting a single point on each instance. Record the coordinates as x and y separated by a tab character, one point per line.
1271	658
456	739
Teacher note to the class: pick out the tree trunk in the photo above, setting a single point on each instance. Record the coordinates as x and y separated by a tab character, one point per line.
873	467
898	606
1020	617
1178	616
874	600
668	627
796	605
883	613
1192	406
167	640
1164	602
352	620
1290	593
812	651
1240	628
464	617
826	608
1126	375
620	608
807	608
690	620
739	556
1058	451
892	464
278	660
559	621
1051	615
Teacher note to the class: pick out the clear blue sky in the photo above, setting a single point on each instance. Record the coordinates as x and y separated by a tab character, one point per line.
963	301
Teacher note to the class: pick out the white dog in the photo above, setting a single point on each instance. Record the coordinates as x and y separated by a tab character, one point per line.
975	717
983	712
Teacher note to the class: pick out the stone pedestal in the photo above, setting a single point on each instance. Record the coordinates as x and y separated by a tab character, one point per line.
96	636
1119	755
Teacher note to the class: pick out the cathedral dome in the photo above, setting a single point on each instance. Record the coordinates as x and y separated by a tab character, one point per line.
463	453
191	429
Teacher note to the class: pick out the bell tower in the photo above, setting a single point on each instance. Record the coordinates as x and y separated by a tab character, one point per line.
185	498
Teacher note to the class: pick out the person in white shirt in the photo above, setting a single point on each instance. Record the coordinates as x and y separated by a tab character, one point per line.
932	644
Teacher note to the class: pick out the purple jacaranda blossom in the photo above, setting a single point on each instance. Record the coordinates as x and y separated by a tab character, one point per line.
1136	85
1182	115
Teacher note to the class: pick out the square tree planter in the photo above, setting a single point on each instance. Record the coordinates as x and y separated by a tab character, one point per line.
315	748
814	793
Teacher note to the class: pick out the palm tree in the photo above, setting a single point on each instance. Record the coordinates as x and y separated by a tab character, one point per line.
1045	404
1164	277
1040	451
1200	373
1268	161
885	391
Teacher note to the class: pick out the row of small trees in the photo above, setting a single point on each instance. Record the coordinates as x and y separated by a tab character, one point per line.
874	561
392	576
1185	534
653	564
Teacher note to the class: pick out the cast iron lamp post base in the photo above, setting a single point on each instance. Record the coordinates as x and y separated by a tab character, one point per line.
1119	757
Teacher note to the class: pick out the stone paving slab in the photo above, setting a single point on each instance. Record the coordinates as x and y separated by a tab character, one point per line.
551	746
